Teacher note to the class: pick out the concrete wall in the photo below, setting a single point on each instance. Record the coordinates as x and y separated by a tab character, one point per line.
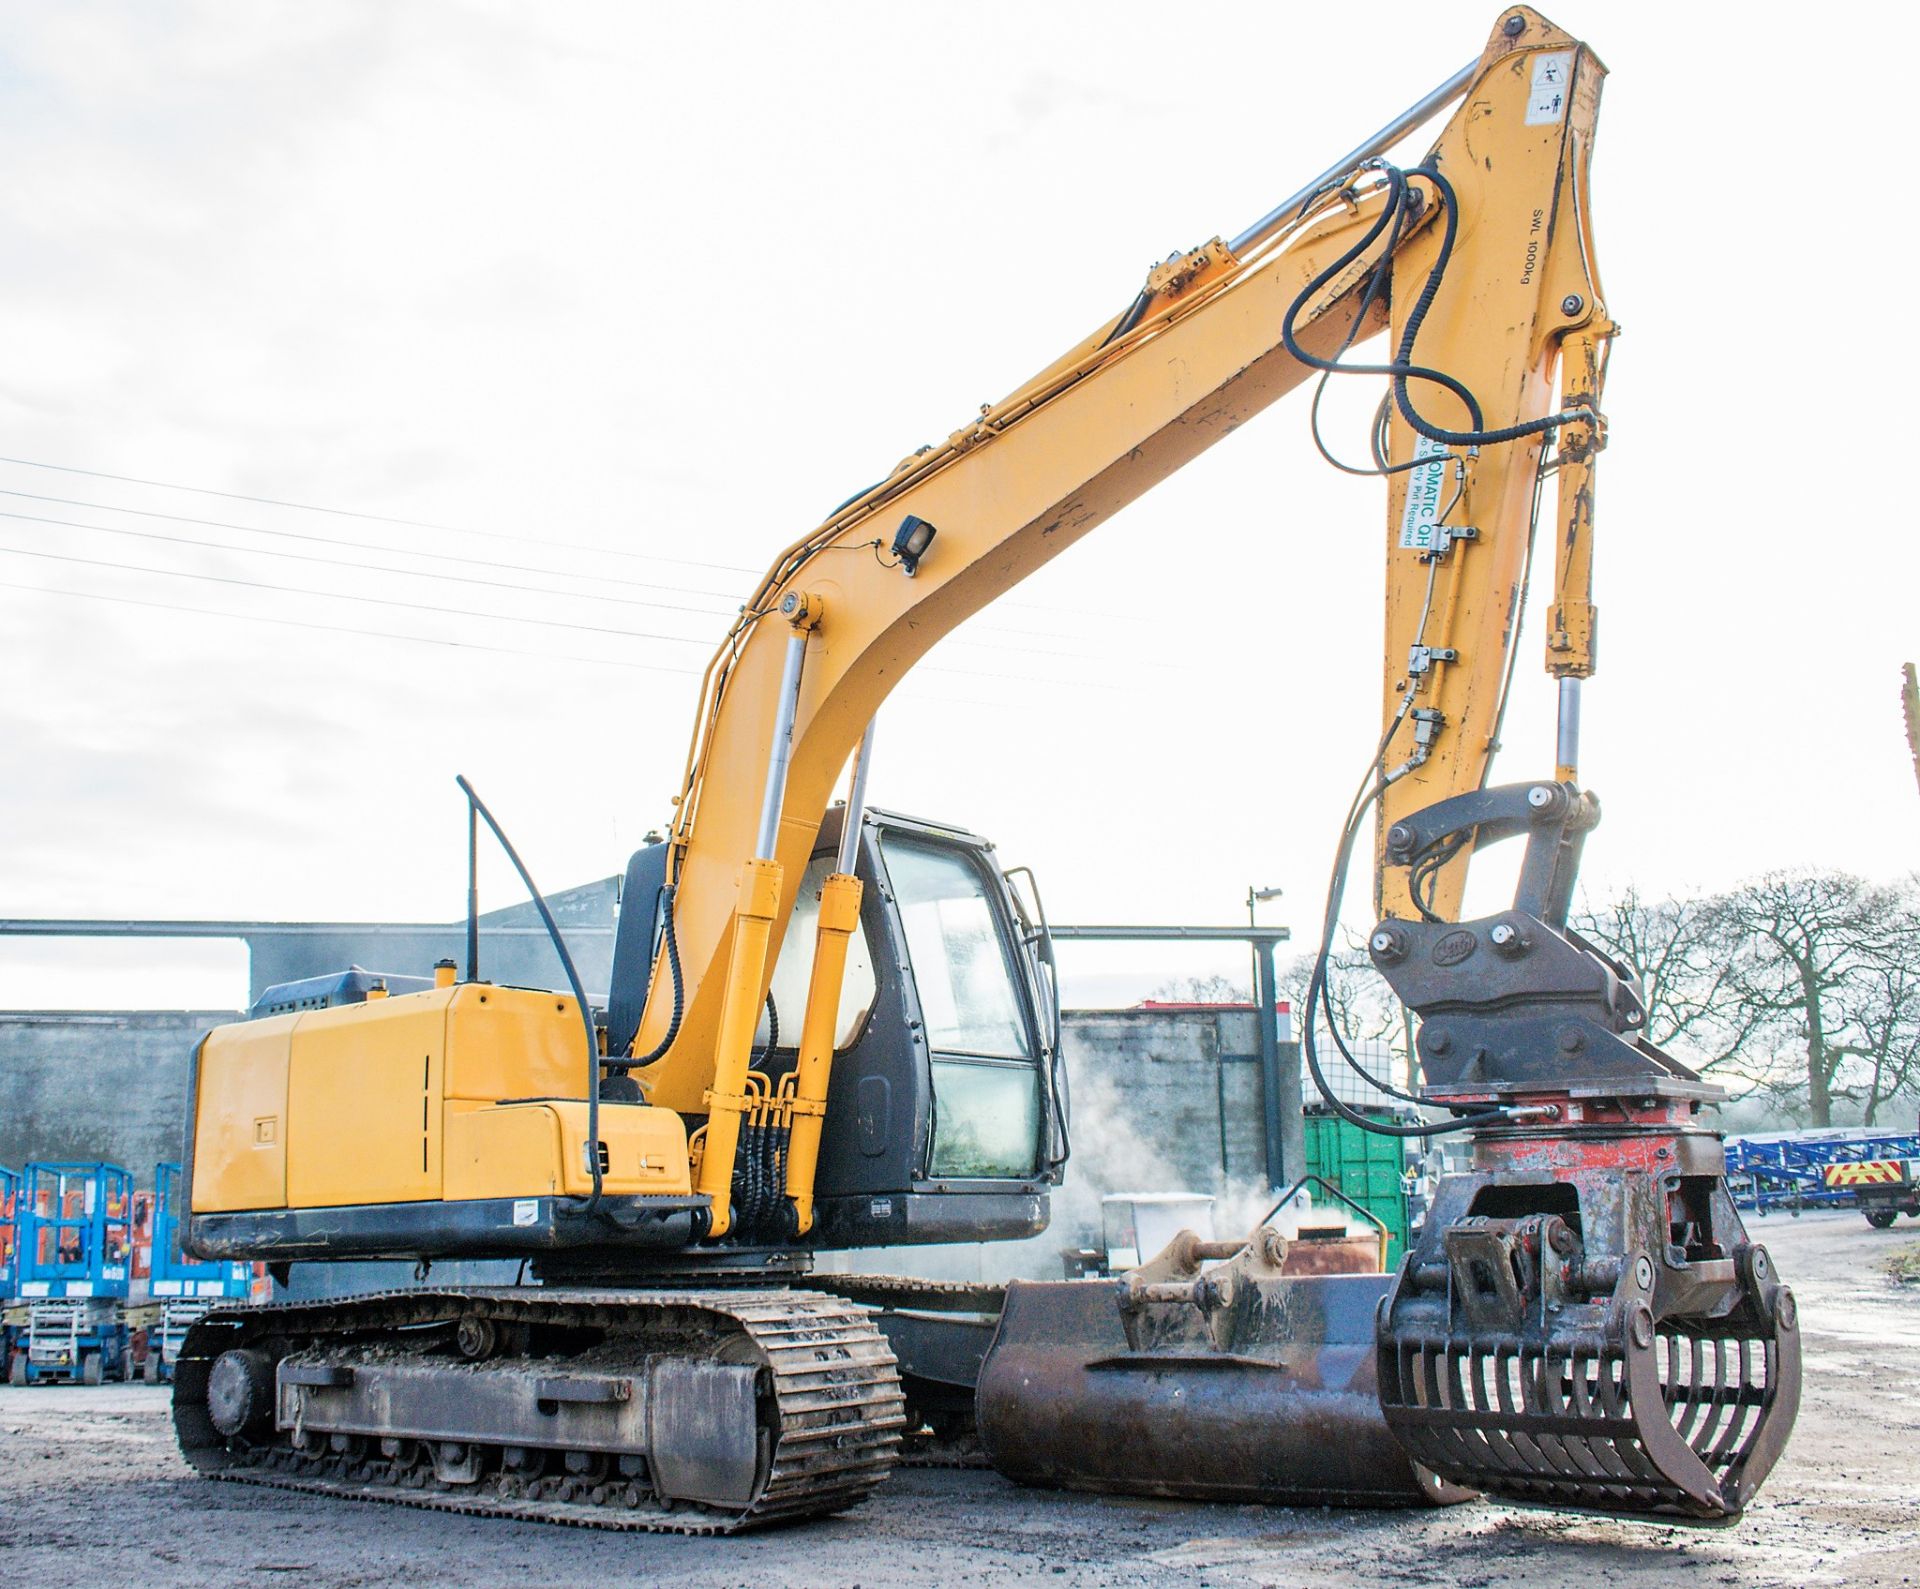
514	946
1167	1101
1162	1100
1186	1084
97	1086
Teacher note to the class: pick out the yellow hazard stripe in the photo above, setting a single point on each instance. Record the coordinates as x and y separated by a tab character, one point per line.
1867	1172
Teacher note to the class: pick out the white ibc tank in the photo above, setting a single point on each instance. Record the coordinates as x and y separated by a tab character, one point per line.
1136	1225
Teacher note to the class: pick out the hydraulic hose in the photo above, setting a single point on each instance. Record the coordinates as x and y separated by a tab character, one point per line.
1402	369
590	1204
671	943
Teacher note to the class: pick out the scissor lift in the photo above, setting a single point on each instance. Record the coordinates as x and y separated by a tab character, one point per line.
1871	1170
179	1290
75	1241
9	1262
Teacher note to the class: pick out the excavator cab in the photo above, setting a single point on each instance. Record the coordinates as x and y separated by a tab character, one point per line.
947	1108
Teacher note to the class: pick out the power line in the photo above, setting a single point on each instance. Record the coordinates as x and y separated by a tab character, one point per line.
414	573
374	568
332	628
441	557
333	595
418	524
458	559
274	620
374	518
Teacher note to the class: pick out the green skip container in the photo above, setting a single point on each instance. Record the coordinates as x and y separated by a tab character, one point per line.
1367	1167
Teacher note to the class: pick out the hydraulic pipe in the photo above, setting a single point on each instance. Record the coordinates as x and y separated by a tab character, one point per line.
848	857
591	1146
1383	140
1567	736
780	753
753	917
1572	619
839	921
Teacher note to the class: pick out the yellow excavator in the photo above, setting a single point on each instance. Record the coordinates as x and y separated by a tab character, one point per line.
832	1027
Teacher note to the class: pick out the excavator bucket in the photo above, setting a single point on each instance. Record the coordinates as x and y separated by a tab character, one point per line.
1242	1383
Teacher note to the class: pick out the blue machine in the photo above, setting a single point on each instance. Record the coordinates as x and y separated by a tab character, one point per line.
9	1261
1789	1171
9	1237
75	1261
181	1289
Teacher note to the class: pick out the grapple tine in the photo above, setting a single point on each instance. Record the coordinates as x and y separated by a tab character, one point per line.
1690	1413
1510	1401
1715	1398
1542	1390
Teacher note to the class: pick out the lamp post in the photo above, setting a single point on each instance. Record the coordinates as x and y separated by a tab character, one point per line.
1266	1003
1259	896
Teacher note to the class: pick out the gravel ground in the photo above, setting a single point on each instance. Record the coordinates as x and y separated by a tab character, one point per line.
91	1492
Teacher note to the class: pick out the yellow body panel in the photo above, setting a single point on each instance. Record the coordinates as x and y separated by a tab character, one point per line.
513	1043
240	1125
534	1149
406	1099
363	1093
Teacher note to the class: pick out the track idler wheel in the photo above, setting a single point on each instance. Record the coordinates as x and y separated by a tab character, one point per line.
240	1392
1522	1360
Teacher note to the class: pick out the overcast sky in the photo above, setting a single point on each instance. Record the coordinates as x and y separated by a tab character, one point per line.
631	295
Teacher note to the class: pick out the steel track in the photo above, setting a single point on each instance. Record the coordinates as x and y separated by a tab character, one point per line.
835	1422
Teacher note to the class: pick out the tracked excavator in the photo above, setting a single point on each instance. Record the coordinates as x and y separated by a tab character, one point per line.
833	1027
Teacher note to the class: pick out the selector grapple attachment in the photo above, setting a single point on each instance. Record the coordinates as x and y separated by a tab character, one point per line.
1629	1351
1583	1322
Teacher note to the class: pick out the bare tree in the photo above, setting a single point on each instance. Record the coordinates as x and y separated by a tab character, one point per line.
1214	989
1801	986
1821	970
1364	1008
1677	948
1880	1016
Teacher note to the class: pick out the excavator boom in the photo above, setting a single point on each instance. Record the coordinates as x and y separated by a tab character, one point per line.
1216	335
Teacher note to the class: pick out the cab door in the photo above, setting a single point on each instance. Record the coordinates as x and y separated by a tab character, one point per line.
939	1109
